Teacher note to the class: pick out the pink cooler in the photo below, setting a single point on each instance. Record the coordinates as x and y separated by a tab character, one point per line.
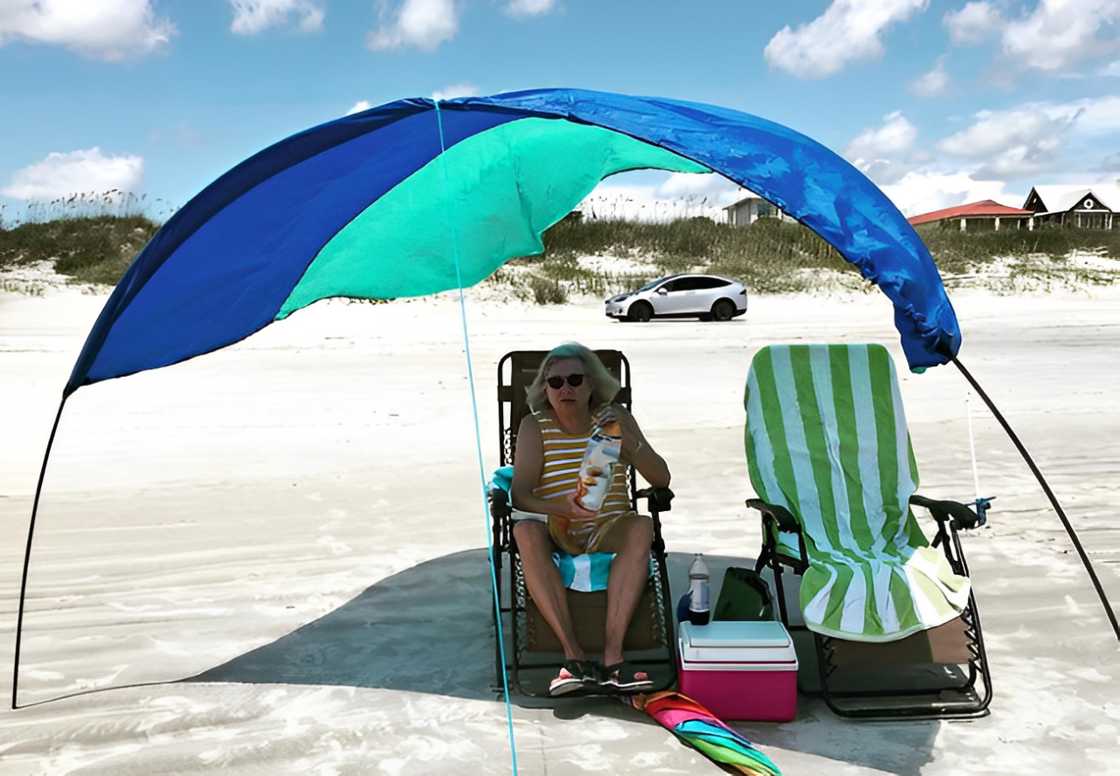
744	670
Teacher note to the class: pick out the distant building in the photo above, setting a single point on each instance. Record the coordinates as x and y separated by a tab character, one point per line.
1079	206
749	209
984	216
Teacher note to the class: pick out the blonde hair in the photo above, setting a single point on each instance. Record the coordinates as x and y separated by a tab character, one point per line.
604	387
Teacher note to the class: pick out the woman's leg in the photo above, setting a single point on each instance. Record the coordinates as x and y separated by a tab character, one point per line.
630	538
543	580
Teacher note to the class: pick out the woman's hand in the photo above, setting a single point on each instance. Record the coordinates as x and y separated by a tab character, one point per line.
632	438
629	426
638	452
569	509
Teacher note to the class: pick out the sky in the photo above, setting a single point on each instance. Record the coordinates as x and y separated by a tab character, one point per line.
939	102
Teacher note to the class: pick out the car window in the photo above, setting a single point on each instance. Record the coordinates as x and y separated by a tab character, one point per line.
685	284
651	285
706	283
672	285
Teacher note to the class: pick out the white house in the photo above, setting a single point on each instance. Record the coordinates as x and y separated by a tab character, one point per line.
1095	206
750	208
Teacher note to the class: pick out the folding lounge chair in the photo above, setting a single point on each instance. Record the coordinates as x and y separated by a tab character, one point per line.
533	652
894	621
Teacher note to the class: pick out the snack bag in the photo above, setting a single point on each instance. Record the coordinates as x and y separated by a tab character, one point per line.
602	454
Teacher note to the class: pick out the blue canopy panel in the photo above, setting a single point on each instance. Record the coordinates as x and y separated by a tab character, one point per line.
220	268
224	265
796	173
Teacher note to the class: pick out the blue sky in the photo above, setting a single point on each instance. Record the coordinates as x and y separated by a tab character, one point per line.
939	102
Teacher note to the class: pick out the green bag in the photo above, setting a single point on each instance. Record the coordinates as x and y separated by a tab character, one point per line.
743	596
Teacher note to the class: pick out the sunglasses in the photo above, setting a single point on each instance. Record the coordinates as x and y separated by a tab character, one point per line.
574	380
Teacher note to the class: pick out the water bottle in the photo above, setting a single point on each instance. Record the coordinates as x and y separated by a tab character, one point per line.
699	592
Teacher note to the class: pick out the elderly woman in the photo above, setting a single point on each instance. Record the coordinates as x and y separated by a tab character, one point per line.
571	395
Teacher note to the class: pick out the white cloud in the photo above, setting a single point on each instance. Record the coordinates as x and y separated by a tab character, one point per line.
1111	70
1058	33
452	91
680	195
1030	137
974	22
1099	115
895	136
848	30
883	153
932	83
107	29
529	7
424	24
359	106
1013	142
689	184
923	191
253	16
61	174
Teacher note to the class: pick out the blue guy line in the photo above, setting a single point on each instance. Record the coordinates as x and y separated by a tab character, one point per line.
477	441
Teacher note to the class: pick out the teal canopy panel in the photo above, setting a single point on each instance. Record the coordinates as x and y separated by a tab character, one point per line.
414	197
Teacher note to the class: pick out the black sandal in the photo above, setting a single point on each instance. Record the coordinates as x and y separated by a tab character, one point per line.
574	675
621	677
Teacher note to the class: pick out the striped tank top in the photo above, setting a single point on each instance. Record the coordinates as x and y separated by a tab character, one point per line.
563	453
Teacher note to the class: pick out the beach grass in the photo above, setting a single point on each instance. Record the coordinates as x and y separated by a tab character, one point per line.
93	237
88	249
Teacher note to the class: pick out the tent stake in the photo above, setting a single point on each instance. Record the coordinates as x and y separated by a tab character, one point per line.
27	552
1049	494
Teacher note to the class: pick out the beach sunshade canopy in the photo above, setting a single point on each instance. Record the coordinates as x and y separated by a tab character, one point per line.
416	196
827	439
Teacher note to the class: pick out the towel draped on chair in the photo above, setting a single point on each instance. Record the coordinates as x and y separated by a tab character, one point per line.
585	573
827	439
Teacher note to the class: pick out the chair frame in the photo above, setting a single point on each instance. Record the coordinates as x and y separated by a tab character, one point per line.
951	517
505	546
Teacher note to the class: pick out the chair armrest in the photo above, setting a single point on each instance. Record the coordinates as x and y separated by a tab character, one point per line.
958	515
786	521
499	504
659	499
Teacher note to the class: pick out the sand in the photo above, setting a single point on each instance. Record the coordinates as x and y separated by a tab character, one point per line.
268	559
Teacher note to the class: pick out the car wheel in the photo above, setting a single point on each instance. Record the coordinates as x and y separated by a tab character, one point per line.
723	310
640	312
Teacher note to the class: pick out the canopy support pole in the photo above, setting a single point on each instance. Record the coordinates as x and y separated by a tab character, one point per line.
27	552
1049	494
477	437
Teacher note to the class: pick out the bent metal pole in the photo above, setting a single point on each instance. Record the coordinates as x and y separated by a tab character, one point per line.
1049	494
27	552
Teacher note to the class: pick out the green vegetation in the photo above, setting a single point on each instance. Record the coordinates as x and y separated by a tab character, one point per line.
92	239
782	257
90	249
1007	257
769	257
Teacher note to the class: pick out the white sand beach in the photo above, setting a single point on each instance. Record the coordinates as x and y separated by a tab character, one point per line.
298	520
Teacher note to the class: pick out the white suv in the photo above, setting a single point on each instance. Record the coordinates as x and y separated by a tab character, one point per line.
707	297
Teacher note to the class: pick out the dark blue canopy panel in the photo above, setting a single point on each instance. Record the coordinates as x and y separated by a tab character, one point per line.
368	206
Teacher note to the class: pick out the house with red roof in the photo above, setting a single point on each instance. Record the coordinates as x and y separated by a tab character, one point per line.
984	216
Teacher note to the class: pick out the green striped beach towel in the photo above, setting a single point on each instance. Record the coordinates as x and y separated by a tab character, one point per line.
827	439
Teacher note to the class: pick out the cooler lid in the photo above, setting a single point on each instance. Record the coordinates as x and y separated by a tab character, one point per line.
758	634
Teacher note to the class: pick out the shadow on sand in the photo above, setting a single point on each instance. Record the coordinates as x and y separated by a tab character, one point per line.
428	630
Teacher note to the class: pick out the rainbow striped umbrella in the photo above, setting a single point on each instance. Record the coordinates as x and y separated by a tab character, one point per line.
703	731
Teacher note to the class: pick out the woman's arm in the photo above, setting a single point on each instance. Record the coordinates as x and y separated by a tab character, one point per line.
637	451
528	463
